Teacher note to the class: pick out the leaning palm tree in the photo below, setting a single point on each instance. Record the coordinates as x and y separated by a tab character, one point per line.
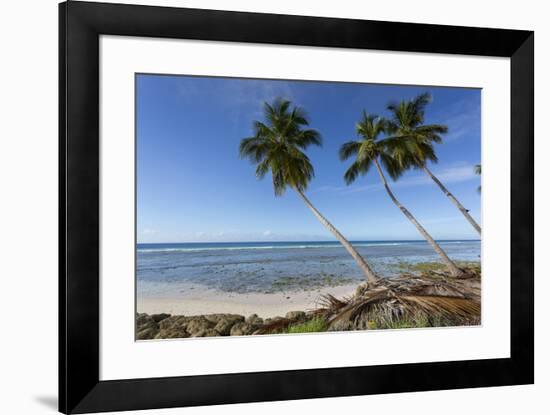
477	170
277	146
407	127
370	150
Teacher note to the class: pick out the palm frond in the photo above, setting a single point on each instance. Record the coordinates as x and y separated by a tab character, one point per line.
420	102
349	149
434	300
422	152
262	168
367	149
299	116
412	141
306	138
432	129
253	148
357	168
392	166
278	144
477	169
399	149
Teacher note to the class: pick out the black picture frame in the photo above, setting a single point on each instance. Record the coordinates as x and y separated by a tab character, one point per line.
81	25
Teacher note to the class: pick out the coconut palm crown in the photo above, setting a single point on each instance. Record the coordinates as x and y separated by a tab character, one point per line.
278	145
369	148
411	142
367	151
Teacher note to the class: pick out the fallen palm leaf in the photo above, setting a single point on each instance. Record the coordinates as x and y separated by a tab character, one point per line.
405	301
426	300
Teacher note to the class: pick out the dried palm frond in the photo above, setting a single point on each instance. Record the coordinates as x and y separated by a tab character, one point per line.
429	300
329	304
435	301
446	306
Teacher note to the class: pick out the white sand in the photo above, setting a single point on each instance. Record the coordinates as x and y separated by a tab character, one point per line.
196	300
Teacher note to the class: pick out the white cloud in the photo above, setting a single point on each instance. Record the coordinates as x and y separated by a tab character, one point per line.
462	118
455	174
148	231
267	233
240	97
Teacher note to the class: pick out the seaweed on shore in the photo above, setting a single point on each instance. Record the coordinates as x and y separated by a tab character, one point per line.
305	283
427	267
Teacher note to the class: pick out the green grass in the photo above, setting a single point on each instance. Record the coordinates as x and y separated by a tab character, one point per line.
314	325
317	325
418	321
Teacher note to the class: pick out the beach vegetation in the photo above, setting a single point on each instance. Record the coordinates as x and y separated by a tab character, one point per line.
278	146
411	143
477	170
422	301
370	149
417	320
431	267
315	325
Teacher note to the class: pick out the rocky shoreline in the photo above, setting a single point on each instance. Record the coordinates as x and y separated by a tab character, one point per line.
166	326
429	298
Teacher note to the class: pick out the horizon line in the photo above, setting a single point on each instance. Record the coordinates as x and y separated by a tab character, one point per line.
310	241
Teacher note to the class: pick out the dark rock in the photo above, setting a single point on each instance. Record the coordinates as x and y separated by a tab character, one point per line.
174	321
146	327
142	319
241	329
225	324
147	333
174	334
197	324
159	317
173	327
254	320
206	333
215	318
257	323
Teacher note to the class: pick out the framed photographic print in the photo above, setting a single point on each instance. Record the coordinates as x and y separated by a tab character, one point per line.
261	207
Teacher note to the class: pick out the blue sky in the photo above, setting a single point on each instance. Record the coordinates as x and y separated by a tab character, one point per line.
193	187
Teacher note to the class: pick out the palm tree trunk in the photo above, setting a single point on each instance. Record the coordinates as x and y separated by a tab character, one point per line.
454	270
371	276
454	200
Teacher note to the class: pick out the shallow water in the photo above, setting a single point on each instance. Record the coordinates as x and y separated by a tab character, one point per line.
281	266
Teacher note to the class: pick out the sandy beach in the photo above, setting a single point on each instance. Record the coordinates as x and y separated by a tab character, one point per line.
192	299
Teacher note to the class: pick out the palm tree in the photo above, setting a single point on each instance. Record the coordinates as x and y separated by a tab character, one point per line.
407	124
277	146
370	150
477	170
